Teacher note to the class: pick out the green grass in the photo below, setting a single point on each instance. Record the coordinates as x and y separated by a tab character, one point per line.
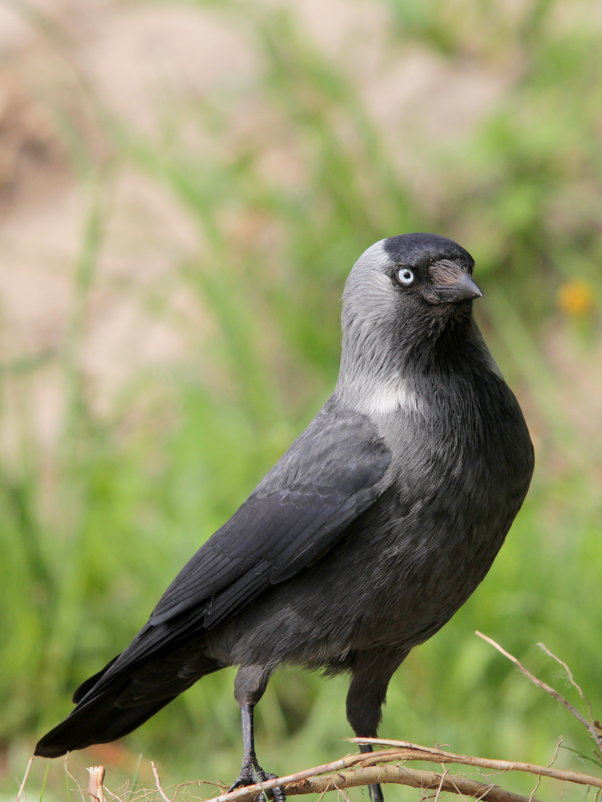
93	532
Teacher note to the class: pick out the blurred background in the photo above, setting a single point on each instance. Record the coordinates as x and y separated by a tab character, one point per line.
183	189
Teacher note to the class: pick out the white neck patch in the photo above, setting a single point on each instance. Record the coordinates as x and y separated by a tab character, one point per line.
382	398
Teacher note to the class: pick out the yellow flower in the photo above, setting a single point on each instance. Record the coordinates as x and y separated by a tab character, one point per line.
576	297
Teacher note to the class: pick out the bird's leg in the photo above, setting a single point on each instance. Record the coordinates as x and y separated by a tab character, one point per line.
376	792
249	686
371	673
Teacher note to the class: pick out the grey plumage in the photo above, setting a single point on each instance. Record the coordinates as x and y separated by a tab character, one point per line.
367	535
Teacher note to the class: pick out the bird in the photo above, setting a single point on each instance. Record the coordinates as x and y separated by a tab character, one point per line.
365	537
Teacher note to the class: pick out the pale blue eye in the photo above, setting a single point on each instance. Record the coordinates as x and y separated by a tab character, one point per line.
405	276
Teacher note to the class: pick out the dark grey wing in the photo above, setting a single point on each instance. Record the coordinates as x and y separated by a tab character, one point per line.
328	476
331	474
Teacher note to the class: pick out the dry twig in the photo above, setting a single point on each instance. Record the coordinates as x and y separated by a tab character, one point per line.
362	769
409	751
24	780
368	775
74	779
162	793
591	726
95	782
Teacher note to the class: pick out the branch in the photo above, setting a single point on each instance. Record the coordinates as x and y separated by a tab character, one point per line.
592	727
409	751
368	768
361	769
294	784
404	776
314	781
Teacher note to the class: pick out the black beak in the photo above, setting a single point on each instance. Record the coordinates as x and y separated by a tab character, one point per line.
464	289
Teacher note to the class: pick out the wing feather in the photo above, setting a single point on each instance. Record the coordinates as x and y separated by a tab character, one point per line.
331	474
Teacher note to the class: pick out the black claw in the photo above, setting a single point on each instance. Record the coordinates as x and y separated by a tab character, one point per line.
277	792
239	782
250	775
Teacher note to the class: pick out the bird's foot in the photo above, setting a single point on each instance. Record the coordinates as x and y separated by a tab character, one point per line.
251	774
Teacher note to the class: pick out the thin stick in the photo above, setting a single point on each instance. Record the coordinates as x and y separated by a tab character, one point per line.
589	725
534	791
158	783
68	773
409	751
111	794
24	780
440	788
569	674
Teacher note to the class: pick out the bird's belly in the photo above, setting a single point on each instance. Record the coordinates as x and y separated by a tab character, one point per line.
424	569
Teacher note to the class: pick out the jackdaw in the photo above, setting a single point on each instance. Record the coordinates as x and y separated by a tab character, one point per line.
369	532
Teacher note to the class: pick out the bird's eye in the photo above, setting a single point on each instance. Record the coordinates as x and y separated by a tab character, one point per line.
405	276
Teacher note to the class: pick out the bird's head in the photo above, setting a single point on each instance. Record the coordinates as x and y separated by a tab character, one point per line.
410	278
407	297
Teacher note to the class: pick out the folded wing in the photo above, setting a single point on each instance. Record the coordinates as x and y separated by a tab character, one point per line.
332	473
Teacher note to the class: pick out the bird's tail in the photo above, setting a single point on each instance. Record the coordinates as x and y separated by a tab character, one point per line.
97	721
112	703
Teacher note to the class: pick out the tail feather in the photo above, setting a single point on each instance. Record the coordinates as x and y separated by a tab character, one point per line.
88	684
123	696
95	722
